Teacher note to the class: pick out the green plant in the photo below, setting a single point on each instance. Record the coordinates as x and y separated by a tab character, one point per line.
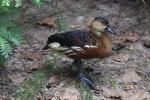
30	87
18	3
9	30
110	82
85	92
7	38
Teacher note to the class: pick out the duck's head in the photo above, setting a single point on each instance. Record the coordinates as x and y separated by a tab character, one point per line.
100	25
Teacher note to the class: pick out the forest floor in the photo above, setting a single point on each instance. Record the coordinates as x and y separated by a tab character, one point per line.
125	75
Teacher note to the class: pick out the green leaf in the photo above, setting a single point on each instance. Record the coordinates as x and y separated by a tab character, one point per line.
6	3
18	3
37	2
5	48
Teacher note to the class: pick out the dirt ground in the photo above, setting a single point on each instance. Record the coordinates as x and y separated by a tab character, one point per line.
123	76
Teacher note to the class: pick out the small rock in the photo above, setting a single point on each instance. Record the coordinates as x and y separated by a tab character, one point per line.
54	79
146	43
118	46
70	94
121	57
129	87
79	19
131	77
111	93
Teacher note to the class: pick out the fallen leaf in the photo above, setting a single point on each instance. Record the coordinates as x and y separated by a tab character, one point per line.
48	21
16	78
111	93
48	98
146	43
38	98
70	94
4	97
121	57
131	37
31	56
35	66
138	95
130	77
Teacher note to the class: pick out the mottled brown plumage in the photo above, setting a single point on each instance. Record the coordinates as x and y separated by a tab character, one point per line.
97	38
84	44
103	48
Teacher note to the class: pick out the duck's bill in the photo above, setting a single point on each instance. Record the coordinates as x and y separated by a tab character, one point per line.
110	30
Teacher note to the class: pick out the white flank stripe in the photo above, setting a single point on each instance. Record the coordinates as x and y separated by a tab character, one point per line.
90	46
77	48
68	51
54	45
72	54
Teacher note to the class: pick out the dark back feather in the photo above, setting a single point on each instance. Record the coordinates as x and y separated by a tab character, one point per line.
70	38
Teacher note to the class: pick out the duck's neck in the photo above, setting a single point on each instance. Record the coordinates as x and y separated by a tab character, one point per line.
104	41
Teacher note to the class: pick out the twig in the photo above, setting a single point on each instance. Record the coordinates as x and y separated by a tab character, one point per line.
143	21
144	75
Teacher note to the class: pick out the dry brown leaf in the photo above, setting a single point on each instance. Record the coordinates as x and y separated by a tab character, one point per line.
138	95
111	93
131	37
35	66
130	77
38	98
31	56
70	94
48	98
48	21
4	97
121	57
16	78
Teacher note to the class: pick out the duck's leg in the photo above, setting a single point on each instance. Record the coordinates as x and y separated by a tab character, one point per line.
84	78
78	64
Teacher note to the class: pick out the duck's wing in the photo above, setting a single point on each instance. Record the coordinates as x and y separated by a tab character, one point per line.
74	44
